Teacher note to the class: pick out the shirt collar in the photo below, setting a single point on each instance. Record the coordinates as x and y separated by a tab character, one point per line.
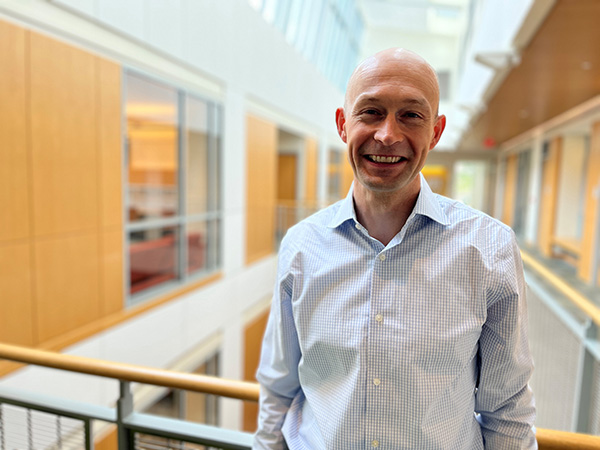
427	205
345	211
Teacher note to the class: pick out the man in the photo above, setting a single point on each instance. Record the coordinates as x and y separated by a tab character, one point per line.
399	316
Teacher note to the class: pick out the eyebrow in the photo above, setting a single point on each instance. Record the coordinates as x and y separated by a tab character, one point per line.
410	101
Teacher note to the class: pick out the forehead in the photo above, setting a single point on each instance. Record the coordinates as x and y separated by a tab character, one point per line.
405	81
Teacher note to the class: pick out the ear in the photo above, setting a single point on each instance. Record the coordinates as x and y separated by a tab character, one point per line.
340	120
438	129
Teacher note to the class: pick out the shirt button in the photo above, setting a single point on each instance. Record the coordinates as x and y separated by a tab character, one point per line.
358	226
375	443
382	257
376	381
378	317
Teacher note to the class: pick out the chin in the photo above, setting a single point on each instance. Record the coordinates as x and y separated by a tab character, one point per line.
384	186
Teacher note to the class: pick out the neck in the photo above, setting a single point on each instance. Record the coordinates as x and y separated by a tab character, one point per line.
384	214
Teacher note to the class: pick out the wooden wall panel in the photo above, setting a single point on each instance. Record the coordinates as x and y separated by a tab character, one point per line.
311	174
510	189
253	335
16	325
14	184
110	143
547	217
287	168
588	244
108	441
63	137
67	283
61	248
112	271
261	149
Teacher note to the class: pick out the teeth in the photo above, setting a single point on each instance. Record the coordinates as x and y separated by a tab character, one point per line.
385	159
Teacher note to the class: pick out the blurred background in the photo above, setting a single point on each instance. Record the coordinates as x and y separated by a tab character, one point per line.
154	152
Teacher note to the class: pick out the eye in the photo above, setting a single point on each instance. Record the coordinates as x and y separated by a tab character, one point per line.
412	115
371	112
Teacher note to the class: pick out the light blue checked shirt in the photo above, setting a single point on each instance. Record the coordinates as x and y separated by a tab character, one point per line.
420	344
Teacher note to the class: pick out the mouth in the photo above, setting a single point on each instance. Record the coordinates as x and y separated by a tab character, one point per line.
385	159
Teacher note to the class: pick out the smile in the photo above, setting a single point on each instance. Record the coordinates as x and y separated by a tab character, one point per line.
385	159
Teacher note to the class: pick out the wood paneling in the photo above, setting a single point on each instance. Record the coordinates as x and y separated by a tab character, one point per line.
112	271
510	186
16	300
109	140
63	137
66	283
108	441
253	335
261	150
310	193
14	184
287	168
590	217
559	69
547	217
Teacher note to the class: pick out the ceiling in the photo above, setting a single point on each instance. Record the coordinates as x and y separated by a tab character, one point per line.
559	69
421	16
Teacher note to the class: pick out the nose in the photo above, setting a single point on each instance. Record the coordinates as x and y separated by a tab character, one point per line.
388	132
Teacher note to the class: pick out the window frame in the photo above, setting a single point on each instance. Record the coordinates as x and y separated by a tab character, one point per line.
212	217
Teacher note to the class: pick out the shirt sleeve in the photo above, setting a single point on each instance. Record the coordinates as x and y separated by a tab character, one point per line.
504	401
278	369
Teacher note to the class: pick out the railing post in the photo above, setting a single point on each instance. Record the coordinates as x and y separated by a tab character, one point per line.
124	410
88	435
2	434
586	382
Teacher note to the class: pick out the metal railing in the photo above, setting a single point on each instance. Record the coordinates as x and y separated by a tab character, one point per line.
564	340
26	419
73	420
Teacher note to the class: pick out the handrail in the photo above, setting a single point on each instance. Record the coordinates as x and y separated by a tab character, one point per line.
241	390
575	297
563	440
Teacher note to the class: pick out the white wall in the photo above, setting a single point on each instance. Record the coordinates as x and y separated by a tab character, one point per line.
568	213
223	50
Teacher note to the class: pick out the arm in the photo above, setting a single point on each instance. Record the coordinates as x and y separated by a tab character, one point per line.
278	369
504	400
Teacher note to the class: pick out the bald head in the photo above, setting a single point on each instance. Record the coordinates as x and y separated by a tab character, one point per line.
389	63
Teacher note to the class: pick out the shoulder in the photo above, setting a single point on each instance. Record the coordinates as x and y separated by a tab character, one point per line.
478	223
312	227
309	234
477	233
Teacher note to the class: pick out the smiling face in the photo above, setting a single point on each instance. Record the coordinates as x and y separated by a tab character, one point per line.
390	121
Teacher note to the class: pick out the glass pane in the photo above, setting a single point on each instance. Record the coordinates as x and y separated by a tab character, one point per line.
198	173
152	141
214	192
197	234
214	248
152	258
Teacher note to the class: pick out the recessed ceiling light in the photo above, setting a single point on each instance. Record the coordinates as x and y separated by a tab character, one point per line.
523	114
586	65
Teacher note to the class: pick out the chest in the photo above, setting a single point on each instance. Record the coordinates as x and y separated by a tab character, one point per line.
406	307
